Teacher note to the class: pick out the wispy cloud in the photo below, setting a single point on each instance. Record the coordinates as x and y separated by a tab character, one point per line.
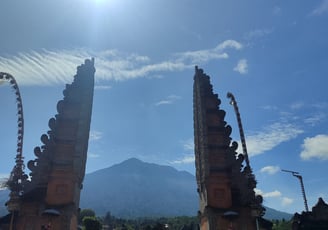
321	9
201	56
229	44
269	107
258	33
47	67
43	68
167	101
271	137
56	67
315	147
270	169
95	135
187	159
290	125
297	105
315	119
315	113
93	155
102	87
320	105
241	67
188	145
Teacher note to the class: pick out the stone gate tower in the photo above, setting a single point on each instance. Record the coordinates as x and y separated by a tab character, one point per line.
50	199
225	186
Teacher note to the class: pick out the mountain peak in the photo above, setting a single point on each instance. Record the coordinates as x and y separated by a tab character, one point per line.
132	160
134	188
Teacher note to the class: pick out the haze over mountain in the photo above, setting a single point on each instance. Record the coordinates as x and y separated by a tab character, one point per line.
135	188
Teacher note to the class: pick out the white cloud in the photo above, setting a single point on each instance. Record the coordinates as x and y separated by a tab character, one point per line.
93	155
120	70
56	67
188	145
42	68
271	137
185	160
163	102
297	105
3	179
241	67
274	193
102	87
258	191
201	56
321	9
229	44
269	107
314	119
258	33
285	201
286	115
95	135
167	101
4	175
320	105
270	169
315	147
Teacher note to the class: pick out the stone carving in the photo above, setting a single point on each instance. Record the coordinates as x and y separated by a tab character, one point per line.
58	170
225	185
317	219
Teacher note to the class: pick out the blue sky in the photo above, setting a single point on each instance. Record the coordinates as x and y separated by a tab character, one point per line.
272	55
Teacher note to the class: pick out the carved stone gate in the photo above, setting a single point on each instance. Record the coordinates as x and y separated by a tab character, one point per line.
50	198
226	188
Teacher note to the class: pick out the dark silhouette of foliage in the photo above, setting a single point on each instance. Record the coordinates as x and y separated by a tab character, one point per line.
85	212
91	223
281	224
174	223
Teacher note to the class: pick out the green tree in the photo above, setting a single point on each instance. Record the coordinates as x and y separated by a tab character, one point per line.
84	213
91	223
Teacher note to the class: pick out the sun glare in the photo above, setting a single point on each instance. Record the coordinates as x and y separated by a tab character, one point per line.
100	1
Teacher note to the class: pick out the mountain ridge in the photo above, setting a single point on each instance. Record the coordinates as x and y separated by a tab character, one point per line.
138	189
177	189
